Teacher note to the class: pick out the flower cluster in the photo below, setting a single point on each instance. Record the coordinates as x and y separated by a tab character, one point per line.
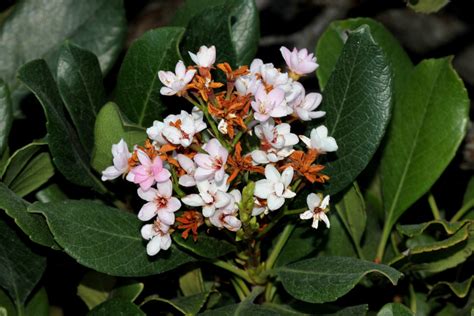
192	169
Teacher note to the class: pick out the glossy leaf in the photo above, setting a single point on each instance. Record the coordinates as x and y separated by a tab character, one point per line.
70	159
395	309
233	26
325	279
105	239
299	308
97	25
28	168
357	100
351	209
426	6
460	289
6	115
110	127
116	306
412	230
81	88
428	125
206	246
138	85
94	288
38	304
187	305
33	225
128	292
18	279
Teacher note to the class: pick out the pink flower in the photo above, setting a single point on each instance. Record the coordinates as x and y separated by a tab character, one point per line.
174	83
211	166
158	236
148	171
299	62
305	107
187	180
270	105
227	216
160	202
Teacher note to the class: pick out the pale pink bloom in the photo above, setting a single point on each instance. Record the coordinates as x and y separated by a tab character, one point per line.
247	84
305	107
273	76
158	236
148	171
294	91
121	155
211	196
205	57
277	142
160	202
270	105
299	62
317	209
175	82
275	188
226	217
187	180
255	66
320	140
211	165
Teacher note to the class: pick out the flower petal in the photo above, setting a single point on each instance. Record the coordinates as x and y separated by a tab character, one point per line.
275	202
147	212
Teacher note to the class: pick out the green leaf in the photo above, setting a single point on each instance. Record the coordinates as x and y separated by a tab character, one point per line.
7	304
395	309
20	267
105	239
338	241
138	85
96	25
302	242
28	169
325	279
232	26
188	305
298	309
81	88
428	125
206	246
39	304
469	194
110	127
332	41
68	154
51	193
413	230
426	6
6	115
33	225
460	289
192	282
117	307
357	101
94	288
351	209
429	255
128	292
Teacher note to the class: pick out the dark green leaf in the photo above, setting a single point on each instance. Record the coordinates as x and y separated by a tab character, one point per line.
82	90
325	279
428	124
116	307
33	225
299	309
97	25
469	194
20	268
7	304
460	289
395	309
192	282
206	246
233	26
357	101
39	304
351	209
28	169
413	230
138	85
128	292
68	154
95	288
110	127
105	239
427	6
302	242
188	305
51	193
338	241
6	115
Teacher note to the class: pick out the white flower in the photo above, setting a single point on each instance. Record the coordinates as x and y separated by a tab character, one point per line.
247	84
121	156
205	57
211	165
187	180
272	76
293	92
320	140
160	202
176	129
317	209
276	142
299	62
275	187
175	82
222	127
259	208
158	236
270	104
305	107
227	216
211	196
